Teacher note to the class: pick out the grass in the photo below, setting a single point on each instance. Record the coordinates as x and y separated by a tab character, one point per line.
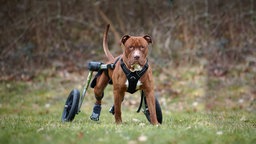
30	112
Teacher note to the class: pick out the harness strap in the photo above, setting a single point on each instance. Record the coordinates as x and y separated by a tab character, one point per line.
109	66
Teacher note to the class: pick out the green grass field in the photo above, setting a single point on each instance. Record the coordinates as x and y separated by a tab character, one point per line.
30	112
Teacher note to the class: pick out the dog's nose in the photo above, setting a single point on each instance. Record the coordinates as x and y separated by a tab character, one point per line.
136	57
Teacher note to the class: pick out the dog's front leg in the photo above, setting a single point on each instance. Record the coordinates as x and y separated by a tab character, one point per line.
151	105
118	98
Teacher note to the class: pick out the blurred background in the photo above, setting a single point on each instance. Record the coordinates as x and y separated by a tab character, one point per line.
203	52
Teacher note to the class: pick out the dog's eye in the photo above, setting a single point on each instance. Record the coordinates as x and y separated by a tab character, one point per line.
142	47
131	47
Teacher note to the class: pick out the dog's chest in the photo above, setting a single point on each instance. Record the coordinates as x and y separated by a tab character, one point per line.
133	82
133	86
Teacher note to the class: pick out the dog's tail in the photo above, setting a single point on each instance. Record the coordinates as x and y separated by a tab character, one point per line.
105	45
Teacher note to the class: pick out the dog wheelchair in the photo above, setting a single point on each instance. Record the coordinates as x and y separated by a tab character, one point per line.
74	101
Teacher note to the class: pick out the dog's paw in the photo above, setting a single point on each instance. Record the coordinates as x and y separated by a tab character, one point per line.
95	117
96	112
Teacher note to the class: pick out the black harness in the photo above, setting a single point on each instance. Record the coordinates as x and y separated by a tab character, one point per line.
133	77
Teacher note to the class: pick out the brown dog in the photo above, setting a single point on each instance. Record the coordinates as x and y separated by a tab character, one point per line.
131	73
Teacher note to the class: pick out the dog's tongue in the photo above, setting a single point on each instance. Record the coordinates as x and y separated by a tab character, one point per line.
136	67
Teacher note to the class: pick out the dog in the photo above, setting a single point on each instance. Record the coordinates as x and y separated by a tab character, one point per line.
131	73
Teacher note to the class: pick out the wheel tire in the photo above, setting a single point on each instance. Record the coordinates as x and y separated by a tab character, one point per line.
158	112
71	106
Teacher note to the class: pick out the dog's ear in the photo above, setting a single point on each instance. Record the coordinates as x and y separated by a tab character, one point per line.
125	38
148	38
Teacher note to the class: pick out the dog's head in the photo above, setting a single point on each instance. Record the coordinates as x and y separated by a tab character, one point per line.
136	50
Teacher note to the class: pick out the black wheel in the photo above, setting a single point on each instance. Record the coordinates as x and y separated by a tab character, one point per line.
158	111
71	106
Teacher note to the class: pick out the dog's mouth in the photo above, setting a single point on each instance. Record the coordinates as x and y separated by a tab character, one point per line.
135	64
136	67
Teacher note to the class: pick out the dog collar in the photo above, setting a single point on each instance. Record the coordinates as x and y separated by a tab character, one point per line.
133	77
